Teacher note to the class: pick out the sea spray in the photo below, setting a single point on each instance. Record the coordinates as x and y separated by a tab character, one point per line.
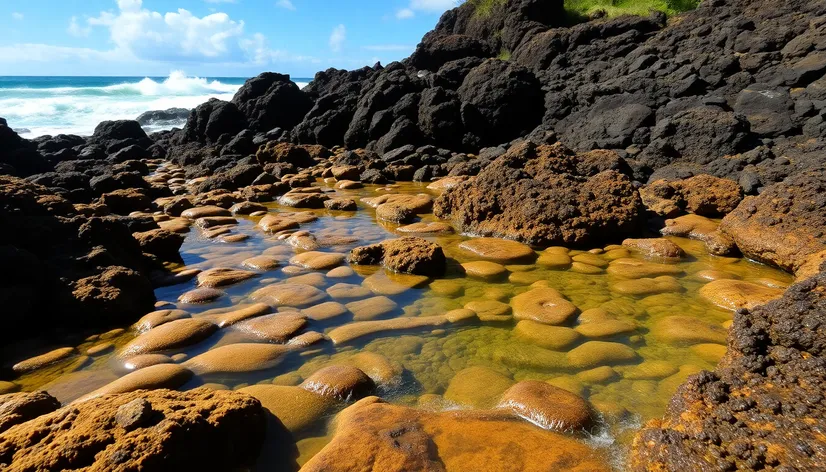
37	106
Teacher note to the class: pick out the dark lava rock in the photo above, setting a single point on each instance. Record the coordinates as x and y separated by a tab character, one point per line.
210	120
19	156
163	117
272	101
547	195
763	408
500	102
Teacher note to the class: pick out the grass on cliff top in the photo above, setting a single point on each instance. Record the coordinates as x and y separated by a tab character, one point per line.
629	7
583	8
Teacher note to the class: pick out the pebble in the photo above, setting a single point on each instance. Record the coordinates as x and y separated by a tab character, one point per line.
734	294
276	328
241	313
687	330
351	331
172	335
548	406
314	260
262	263
100	349
477	387
237	358
637	287
597	353
503	251
377	367
554	260
296	408
651	370
347	291
220	277
145	360
155	377
159	317
341	273
200	295
583	268
544	305
341	382
557	338
386	283
484	270
490	310
324	311
371	308
289	294
43	360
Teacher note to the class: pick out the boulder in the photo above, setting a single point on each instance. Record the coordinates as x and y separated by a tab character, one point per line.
782	226
376	435
546	195
702	194
211	119
409	255
272	100
148	430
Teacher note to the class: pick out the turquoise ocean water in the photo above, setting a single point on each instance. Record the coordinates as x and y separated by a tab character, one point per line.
35	106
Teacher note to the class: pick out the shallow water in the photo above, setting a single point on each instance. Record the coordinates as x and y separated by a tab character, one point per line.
424	361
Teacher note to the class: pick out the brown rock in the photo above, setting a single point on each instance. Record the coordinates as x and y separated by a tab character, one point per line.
548	406
702	195
43	360
502	251
657	247
701	229
408	255
784	225
544	196
734	294
341	382
171	335
200	429
377	436
160	242
17	408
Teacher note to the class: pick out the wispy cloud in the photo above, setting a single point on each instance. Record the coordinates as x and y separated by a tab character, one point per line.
76	30
405	13
286	4
337	38
17	16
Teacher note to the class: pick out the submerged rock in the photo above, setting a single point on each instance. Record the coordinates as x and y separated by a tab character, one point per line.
375	435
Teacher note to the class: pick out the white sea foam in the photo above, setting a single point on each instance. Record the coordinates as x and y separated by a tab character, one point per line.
77	110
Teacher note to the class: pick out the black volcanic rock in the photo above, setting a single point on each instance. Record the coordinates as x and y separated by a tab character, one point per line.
210	120
272	100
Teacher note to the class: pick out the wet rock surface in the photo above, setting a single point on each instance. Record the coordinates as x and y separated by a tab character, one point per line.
761	407
150	430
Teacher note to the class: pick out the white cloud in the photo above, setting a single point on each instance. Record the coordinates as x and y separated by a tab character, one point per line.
173	36
425	6
76	30
47	53
17	16
286	4
337	38
405	13
221	1
389	47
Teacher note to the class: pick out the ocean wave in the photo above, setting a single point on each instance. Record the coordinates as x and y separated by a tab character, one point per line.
177	84
69	110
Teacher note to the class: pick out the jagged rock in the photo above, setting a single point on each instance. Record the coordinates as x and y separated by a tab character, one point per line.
272	100
201	428
406	255
546	195
714	412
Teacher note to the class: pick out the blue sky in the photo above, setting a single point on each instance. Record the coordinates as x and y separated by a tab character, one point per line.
237	38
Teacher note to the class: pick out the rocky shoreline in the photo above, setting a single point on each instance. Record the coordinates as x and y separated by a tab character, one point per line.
585	136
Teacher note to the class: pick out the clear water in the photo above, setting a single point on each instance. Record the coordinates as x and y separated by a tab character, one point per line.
428	359
37	106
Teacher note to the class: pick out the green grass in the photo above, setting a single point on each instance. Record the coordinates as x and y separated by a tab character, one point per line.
504	55
485	7
584	8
